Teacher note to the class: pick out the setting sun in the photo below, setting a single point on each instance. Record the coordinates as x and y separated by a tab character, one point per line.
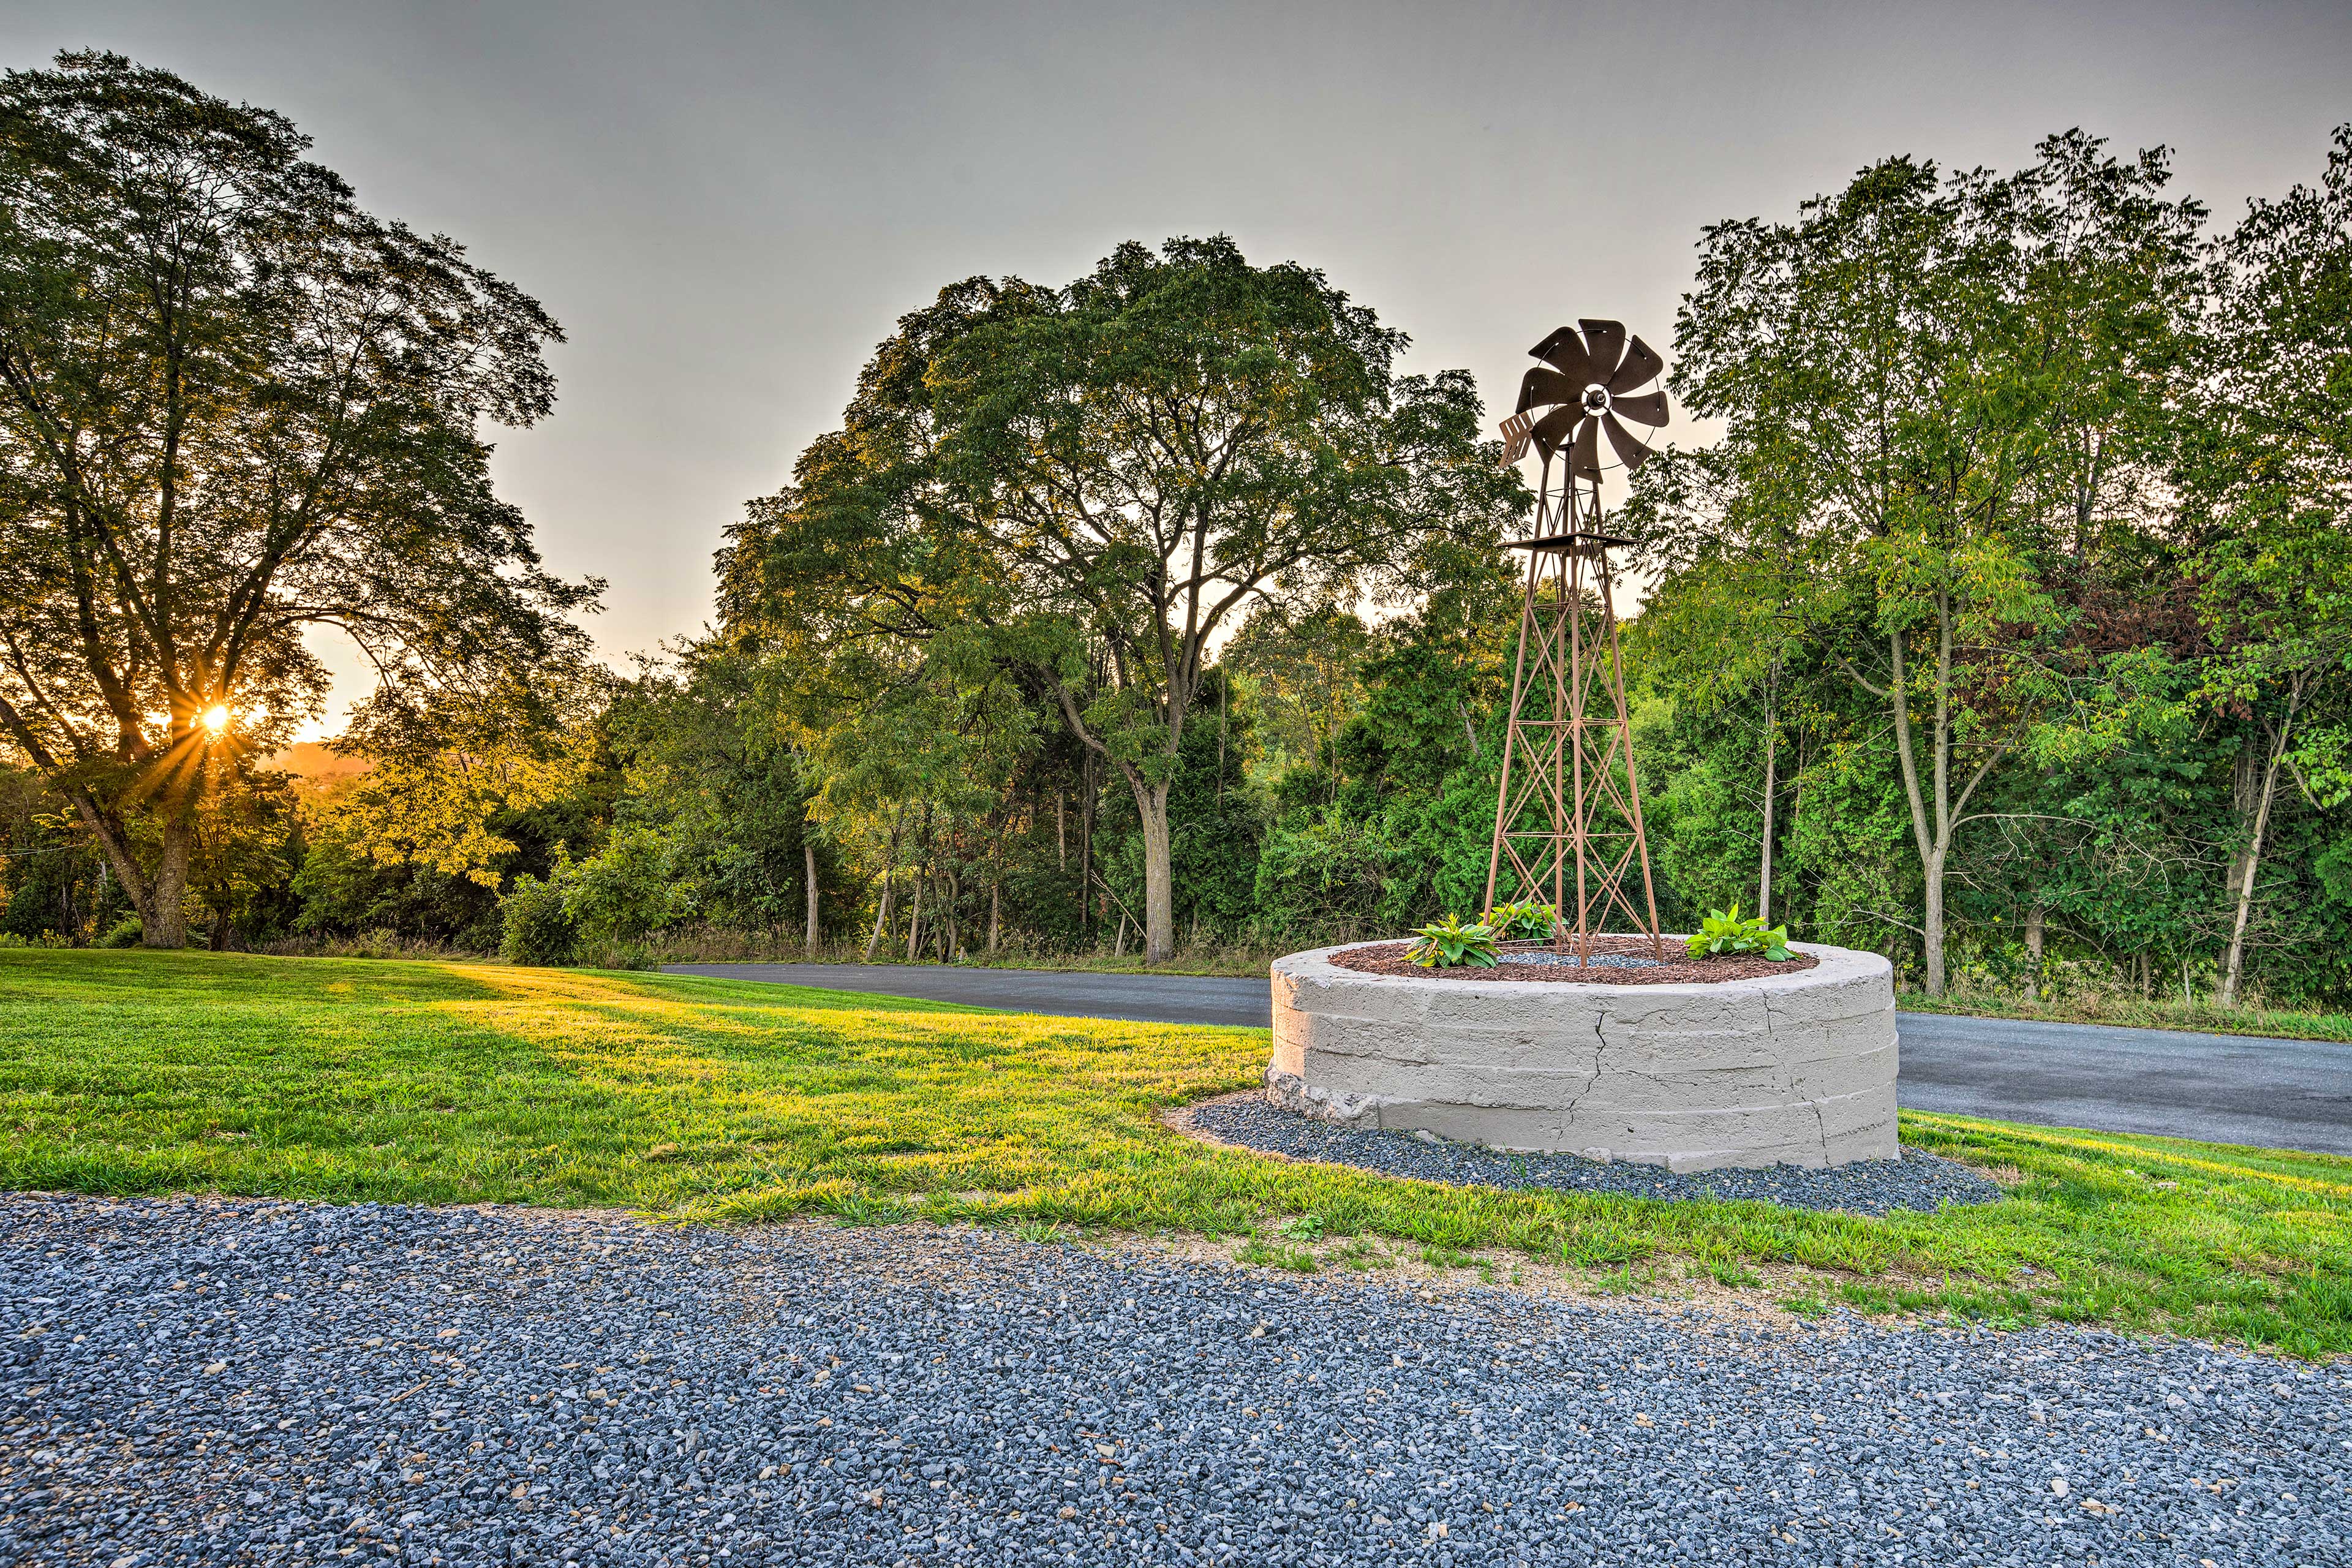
215	718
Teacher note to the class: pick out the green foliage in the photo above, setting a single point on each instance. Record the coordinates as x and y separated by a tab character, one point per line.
1724	934
627	889
1321	871
1005	479
535	926
711	761
1525	922
2021	659
236	408
53	884
1448	943
124	933
1925	526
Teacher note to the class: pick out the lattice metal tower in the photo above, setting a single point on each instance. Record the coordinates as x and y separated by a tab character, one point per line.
1568	814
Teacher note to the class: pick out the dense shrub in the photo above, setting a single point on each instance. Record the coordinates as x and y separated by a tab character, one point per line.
631	889
535	927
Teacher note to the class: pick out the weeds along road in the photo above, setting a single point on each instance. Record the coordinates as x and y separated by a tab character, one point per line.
2228	1089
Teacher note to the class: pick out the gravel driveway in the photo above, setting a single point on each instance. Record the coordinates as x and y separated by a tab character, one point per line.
213	1381
1918	1181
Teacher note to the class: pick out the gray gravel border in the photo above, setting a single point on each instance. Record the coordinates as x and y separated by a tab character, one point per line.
210	1382
1918	1181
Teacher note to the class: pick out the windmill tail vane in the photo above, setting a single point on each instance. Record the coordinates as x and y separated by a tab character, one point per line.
1568	810
1515	435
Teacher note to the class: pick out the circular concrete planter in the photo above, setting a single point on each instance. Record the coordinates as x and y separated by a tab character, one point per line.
1794	1070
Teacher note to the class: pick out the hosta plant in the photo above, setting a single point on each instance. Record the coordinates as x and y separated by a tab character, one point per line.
1726	934
1450	944
1528	921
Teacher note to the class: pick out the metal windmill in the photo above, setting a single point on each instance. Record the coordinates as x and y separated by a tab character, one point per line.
1569	806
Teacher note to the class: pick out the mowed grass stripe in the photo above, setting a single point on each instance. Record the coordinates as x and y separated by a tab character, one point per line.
715	1100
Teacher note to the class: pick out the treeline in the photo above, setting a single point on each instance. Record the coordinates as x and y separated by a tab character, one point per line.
2003	628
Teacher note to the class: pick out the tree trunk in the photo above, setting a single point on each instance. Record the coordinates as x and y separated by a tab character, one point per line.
161	921
1934	924
1118	944
2034	935
1061	832
947	924
1159	873
808	868
158	918
1935	844
1087	849
1764	874
914	917
881	919
2234	969
995	911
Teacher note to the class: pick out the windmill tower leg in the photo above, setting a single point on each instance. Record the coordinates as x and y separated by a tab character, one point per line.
1641	845
1504	812
1568	747
1568	757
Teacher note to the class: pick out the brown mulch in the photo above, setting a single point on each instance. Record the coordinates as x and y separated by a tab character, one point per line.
1679	968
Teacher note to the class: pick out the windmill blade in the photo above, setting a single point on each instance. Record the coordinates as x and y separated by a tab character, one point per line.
1650	409
1629	450
1540	388
1564	352
1585	462
1642	365
1604	345
1552	430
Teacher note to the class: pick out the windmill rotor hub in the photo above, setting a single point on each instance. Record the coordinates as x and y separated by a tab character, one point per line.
1584	397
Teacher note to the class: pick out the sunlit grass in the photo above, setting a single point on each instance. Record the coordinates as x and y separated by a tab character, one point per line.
422	1082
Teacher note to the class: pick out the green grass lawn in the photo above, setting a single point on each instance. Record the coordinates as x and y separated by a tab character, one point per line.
428	1082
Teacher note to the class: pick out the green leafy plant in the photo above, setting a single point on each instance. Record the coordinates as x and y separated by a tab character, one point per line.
1449	942
858	1210
1724	934
535	926
1522	923
1297	1259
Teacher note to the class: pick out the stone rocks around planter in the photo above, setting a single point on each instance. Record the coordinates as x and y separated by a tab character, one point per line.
1793	1069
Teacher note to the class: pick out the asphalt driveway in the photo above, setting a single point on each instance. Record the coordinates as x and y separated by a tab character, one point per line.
2228	1089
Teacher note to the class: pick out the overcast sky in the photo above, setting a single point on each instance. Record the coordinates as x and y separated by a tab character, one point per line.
726	206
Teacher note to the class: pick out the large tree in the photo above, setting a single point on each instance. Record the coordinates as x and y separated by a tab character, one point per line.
2273	462
1103	477
1933	387
234	406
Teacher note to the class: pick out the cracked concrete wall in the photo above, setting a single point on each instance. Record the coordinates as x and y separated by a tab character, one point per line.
1793	1069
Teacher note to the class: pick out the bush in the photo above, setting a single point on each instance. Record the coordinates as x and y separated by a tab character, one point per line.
1720	933
1528	921
128	934
534	927
630	890
1449	942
